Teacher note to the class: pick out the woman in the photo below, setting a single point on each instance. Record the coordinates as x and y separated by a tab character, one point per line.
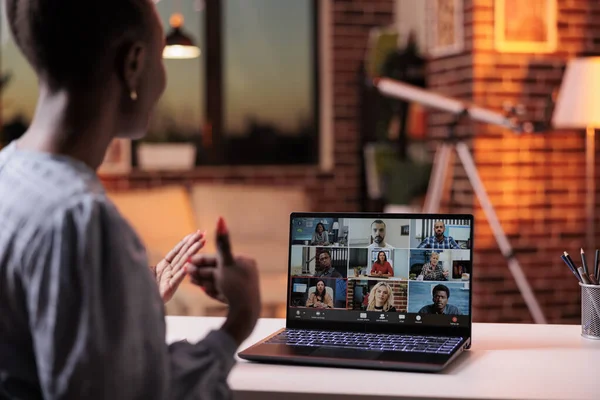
320	298
382	266
433	271
81	315
320	236
381	298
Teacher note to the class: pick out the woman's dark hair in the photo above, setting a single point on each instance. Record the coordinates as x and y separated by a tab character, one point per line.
317	227
317	294
384	255
65	41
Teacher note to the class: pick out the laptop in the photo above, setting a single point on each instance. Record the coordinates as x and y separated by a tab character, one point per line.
369	290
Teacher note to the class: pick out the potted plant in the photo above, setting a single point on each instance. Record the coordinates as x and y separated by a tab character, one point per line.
168	146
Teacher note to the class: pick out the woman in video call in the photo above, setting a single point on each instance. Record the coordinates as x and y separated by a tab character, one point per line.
381	298
382	266
320	298
81	314
320	236
433	271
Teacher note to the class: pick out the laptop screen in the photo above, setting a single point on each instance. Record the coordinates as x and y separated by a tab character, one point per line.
390	270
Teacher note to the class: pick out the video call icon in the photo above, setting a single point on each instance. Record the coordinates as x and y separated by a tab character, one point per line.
363	315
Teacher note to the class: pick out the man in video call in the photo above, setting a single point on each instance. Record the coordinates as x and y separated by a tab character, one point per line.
324	269
439	240
378	235
440	305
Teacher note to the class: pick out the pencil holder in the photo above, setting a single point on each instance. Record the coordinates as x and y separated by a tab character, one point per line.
590	311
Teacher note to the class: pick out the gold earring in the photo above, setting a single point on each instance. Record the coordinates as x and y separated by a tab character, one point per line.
133	95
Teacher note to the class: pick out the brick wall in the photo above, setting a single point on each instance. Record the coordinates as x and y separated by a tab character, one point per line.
400	290
335	191
536	182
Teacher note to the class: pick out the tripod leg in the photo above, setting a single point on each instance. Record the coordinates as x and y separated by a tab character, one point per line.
513	265
441	165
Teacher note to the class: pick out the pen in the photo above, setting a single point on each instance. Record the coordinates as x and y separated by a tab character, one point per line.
573	270
593	279
584	263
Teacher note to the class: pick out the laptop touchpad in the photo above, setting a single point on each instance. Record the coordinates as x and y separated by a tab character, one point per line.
332	352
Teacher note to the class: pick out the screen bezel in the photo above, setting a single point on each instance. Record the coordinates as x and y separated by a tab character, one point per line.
419	329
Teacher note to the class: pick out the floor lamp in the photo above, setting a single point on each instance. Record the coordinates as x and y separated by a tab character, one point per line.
578	107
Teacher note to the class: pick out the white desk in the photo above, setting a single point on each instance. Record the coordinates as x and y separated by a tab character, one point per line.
506	361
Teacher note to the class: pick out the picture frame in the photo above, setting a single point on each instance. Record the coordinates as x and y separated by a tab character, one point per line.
404	231
446	27
525	27
117	160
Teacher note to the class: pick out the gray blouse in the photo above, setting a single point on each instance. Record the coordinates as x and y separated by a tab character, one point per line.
80	313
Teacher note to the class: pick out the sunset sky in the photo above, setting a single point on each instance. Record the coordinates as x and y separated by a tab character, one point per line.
267	61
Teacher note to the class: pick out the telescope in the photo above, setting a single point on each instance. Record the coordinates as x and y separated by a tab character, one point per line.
509	120
442	164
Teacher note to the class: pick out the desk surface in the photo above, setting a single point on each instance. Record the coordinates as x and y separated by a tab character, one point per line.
506	361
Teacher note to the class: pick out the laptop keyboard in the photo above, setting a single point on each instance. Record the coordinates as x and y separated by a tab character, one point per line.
367	341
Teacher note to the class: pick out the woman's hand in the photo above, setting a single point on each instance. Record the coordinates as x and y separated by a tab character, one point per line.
170	271
232	280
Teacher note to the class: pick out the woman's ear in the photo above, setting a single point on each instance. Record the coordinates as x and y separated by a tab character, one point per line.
132	65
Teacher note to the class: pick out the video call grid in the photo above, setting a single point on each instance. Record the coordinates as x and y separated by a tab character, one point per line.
333	253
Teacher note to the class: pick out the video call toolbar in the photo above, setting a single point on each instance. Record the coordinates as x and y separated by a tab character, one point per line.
365	268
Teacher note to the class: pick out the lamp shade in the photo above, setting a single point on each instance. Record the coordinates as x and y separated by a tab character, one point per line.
177	44
578	102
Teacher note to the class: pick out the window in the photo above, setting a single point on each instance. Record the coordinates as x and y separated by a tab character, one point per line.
252	98
269	86
180	112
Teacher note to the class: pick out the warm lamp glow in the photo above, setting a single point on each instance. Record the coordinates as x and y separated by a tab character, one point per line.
181	52
578	102
178	44
176	20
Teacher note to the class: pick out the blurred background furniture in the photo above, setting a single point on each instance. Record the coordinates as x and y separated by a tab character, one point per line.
163	216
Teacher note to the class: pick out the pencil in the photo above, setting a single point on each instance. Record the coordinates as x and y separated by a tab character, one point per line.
570	261
584	277
596	264
573	270
584	264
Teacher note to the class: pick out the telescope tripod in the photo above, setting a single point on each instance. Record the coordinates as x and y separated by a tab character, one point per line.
441	166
